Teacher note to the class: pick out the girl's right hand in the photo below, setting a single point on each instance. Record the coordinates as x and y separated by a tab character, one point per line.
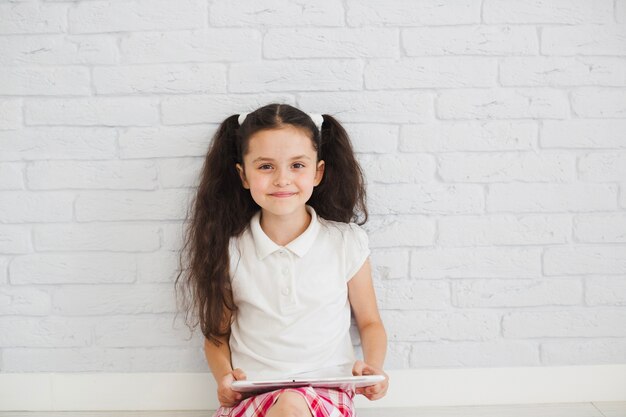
226	396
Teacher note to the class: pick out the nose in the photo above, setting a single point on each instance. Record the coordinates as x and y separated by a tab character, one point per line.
282	178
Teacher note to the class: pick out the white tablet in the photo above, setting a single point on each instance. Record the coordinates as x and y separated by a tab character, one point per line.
344	382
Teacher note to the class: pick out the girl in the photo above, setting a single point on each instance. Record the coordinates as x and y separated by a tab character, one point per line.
274	265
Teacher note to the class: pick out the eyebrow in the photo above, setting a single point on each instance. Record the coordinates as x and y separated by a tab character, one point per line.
263	159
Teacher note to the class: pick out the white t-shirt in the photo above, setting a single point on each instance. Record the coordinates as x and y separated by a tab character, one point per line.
293	313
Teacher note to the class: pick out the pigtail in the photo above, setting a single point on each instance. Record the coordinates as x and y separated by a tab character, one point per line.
341	194
221	208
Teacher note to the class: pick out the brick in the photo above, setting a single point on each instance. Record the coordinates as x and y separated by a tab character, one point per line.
10	113
49	332
193	109
372	106
272	13
373	138
158	267
605	291
93	111
398	168
14	240
600	228
487	262
562	71
390	264
50	143
27	207
131	205
403	13
165	79
576	352
602	167
296	43
172	236
92	359
502	104
112	299
24	301
474	354
599	134
556	11
409	295
75	268
415	326
112	16
31	17
588	259
192	46
11	176
50	175
53	359
133	331
425	199
58	50
601	103
159	142
509	293
469	136
96	237
442	72
505	229
584	40
620	11
400	231
565	323
522	198
22	81
179	172
470	40
506	167
301	75
4	275
398	354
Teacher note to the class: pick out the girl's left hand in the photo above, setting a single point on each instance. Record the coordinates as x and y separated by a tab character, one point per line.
373	392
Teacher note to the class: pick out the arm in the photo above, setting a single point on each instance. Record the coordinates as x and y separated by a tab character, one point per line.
218	358
373	336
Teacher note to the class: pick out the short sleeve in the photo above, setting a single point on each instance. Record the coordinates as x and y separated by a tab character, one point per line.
356	249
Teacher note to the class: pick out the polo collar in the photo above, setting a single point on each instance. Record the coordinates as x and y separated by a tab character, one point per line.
300	245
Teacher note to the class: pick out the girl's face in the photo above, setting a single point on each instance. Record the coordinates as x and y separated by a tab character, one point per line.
281	169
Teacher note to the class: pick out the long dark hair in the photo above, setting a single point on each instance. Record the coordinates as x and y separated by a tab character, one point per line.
222	207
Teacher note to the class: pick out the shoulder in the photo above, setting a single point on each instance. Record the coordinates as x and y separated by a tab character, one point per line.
347	232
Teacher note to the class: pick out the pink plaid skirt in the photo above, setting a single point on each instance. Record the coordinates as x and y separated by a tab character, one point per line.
323	402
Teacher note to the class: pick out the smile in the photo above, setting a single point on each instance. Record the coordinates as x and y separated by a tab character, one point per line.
282	194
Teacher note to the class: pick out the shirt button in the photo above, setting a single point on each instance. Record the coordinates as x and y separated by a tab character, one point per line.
286	291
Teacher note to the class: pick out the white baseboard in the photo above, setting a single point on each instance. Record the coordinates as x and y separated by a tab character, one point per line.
408	388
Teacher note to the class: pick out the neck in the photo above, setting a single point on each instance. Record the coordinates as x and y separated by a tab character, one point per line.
284	229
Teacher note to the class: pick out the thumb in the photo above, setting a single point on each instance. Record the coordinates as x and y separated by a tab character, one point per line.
239	375
357	369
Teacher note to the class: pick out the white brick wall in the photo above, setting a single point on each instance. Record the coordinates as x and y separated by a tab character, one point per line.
492	134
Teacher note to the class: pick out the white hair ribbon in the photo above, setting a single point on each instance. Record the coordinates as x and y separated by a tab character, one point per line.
317	118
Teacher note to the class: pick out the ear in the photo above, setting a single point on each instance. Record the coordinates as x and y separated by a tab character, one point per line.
242	175
319	172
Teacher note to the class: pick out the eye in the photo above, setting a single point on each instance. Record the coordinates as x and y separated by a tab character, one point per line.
298	165
265	166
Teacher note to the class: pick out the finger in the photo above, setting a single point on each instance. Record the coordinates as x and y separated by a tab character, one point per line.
239	375
357	369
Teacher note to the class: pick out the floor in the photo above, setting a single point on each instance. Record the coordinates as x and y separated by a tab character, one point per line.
596	409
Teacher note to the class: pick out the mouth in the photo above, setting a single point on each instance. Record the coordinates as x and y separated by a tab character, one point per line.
282	194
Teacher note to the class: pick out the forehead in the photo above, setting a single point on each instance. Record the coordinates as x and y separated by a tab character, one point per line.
283	141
